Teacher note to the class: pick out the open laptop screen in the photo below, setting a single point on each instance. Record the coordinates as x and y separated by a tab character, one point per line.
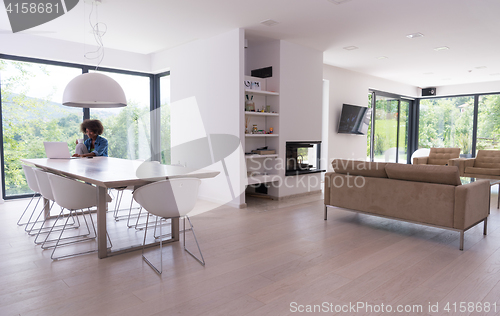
57	150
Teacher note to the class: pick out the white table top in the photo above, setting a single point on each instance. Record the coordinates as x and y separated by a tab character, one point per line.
115	172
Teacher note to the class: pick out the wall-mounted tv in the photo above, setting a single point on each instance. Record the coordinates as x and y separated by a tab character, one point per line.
354	119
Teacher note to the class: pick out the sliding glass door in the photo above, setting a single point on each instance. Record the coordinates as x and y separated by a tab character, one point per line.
390	128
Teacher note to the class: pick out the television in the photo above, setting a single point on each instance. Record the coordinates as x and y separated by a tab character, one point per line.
354	119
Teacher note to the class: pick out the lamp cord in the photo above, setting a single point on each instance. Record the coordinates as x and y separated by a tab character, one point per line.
98	34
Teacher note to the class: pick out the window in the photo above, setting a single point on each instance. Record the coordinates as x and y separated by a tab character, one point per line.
488	128
390	128
128	129
165	157
32	113
447	122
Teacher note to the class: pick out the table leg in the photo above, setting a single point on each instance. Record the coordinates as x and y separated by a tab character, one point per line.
102	241
175	229
46	208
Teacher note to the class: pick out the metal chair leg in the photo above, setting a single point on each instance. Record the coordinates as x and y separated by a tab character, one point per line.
202	261
161	251
22	215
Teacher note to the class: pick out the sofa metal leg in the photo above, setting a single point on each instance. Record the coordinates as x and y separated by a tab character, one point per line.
325	213
462	240
485	226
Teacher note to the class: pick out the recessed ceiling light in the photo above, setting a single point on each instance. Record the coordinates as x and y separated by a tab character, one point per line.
446	79
480	67
338	1
428	73
413	35
269	22
495	74
441	48
350	47
382	57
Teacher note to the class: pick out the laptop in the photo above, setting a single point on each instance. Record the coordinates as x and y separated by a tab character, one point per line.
57	150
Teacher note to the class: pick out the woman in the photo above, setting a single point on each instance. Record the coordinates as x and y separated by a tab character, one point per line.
95	145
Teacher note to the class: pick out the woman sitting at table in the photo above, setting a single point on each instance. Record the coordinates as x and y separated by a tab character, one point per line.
95	145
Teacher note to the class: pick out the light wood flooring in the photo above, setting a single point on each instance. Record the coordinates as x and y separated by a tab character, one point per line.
259	260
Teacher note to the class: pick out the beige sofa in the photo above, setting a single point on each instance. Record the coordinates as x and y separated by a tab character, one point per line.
438	156
485	165
424	194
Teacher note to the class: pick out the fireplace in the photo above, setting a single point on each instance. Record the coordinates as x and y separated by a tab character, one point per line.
303	157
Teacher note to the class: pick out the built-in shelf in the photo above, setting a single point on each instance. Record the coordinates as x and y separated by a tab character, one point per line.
261	156
263	178
261	113
261	135
262	92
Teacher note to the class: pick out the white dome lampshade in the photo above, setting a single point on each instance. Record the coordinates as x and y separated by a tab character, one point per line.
94	90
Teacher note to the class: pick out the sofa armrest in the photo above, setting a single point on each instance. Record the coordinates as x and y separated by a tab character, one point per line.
462	163
472	203
328	182
420	160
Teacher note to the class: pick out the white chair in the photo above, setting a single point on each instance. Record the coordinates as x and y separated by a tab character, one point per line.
169	199
46	191
73	195
29	174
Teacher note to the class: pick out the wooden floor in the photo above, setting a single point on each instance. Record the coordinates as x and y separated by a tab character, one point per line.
266	259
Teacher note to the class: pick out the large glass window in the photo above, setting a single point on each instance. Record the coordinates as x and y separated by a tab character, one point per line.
165	120
488	128
32	113
447	122
127	129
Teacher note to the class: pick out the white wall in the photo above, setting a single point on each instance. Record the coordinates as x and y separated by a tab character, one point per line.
352	88
211	71
26	45
301	86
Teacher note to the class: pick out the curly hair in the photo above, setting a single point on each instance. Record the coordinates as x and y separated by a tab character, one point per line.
93	125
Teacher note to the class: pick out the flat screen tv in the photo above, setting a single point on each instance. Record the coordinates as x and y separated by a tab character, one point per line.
354	119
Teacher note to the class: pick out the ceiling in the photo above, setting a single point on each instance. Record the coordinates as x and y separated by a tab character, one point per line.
470	28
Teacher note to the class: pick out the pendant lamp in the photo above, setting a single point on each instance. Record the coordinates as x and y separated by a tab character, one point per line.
94	90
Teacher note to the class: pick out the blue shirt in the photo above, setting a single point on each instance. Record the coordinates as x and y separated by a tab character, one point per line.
100	146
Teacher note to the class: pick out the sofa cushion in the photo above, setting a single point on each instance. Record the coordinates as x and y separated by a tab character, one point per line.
360	168
424	173
483	171
441	156
487	159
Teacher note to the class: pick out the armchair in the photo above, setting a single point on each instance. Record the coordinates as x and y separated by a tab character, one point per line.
485	165
438	156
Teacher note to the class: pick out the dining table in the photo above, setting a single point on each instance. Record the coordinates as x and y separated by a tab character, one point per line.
109	172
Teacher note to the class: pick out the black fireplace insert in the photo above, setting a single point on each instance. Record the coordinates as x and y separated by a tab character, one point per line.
303	157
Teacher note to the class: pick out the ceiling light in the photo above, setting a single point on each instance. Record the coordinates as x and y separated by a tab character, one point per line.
350	47
269	22
446	79
94	90
428	73
413	35
441	48
338	1
495	74
480	67
382	57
